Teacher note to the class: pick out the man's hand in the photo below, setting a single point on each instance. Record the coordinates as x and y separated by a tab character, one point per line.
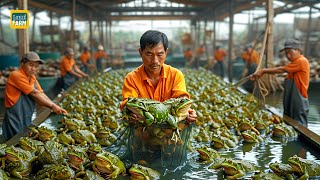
192	116
257	75
57	109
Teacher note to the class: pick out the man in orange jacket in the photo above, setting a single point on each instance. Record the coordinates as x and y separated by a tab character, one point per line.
295	98
219	55
250	58
153	80
99	56
70	72
22	92
85	60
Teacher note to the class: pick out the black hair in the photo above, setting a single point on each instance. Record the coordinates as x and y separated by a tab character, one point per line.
152	38
24	60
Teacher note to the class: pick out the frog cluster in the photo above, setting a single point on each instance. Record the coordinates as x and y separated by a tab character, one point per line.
297	167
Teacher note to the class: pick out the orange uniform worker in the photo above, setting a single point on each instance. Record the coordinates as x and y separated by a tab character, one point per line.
295	103
69	70
99	56
85	60
250	58
199	53
154	79
188	56
21	93
219	55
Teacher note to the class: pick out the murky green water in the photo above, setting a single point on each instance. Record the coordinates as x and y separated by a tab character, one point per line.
261	154
275	100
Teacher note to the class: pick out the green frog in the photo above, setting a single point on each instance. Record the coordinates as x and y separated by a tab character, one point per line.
203	136
73	124
108	165
3	175
78	157
88	175
251	137
31	145
284	130
222	142
84	137
141	172
3	147
207	154
42	133
150	111
266	176
55	171
306	168
245	124
179	107
52	153
93	150
282	170
19	162
237	168
65	138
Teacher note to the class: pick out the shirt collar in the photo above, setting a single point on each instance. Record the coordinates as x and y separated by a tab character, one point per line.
32	78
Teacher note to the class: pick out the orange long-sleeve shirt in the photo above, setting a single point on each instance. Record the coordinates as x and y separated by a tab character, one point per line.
252	57
66	65
100	54
85	57
219	54
299	70
137	84
18	83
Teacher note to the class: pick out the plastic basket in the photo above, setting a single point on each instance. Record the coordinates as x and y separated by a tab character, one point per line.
159	151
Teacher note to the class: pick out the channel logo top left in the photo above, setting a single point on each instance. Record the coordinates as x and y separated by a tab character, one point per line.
19	19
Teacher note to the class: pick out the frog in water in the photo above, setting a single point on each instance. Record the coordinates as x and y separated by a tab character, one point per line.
304	167
282	170
108	165
141	172
237	168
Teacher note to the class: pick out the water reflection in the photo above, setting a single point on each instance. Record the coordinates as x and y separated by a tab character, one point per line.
261	154
275	100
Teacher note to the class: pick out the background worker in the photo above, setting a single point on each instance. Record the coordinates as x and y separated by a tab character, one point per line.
250	58
199	54
70	72
188	57
22	92
295	102
99	56
219	55
85	57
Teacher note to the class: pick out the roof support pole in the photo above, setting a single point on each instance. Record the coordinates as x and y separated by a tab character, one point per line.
90	35
51	31
33	26
230	44
306	44
214	33
23	34
72	23
270	16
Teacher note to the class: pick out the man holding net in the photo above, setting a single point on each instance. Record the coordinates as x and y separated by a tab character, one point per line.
158	81
295	102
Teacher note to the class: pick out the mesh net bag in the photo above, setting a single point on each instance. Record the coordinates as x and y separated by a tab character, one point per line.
159	145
